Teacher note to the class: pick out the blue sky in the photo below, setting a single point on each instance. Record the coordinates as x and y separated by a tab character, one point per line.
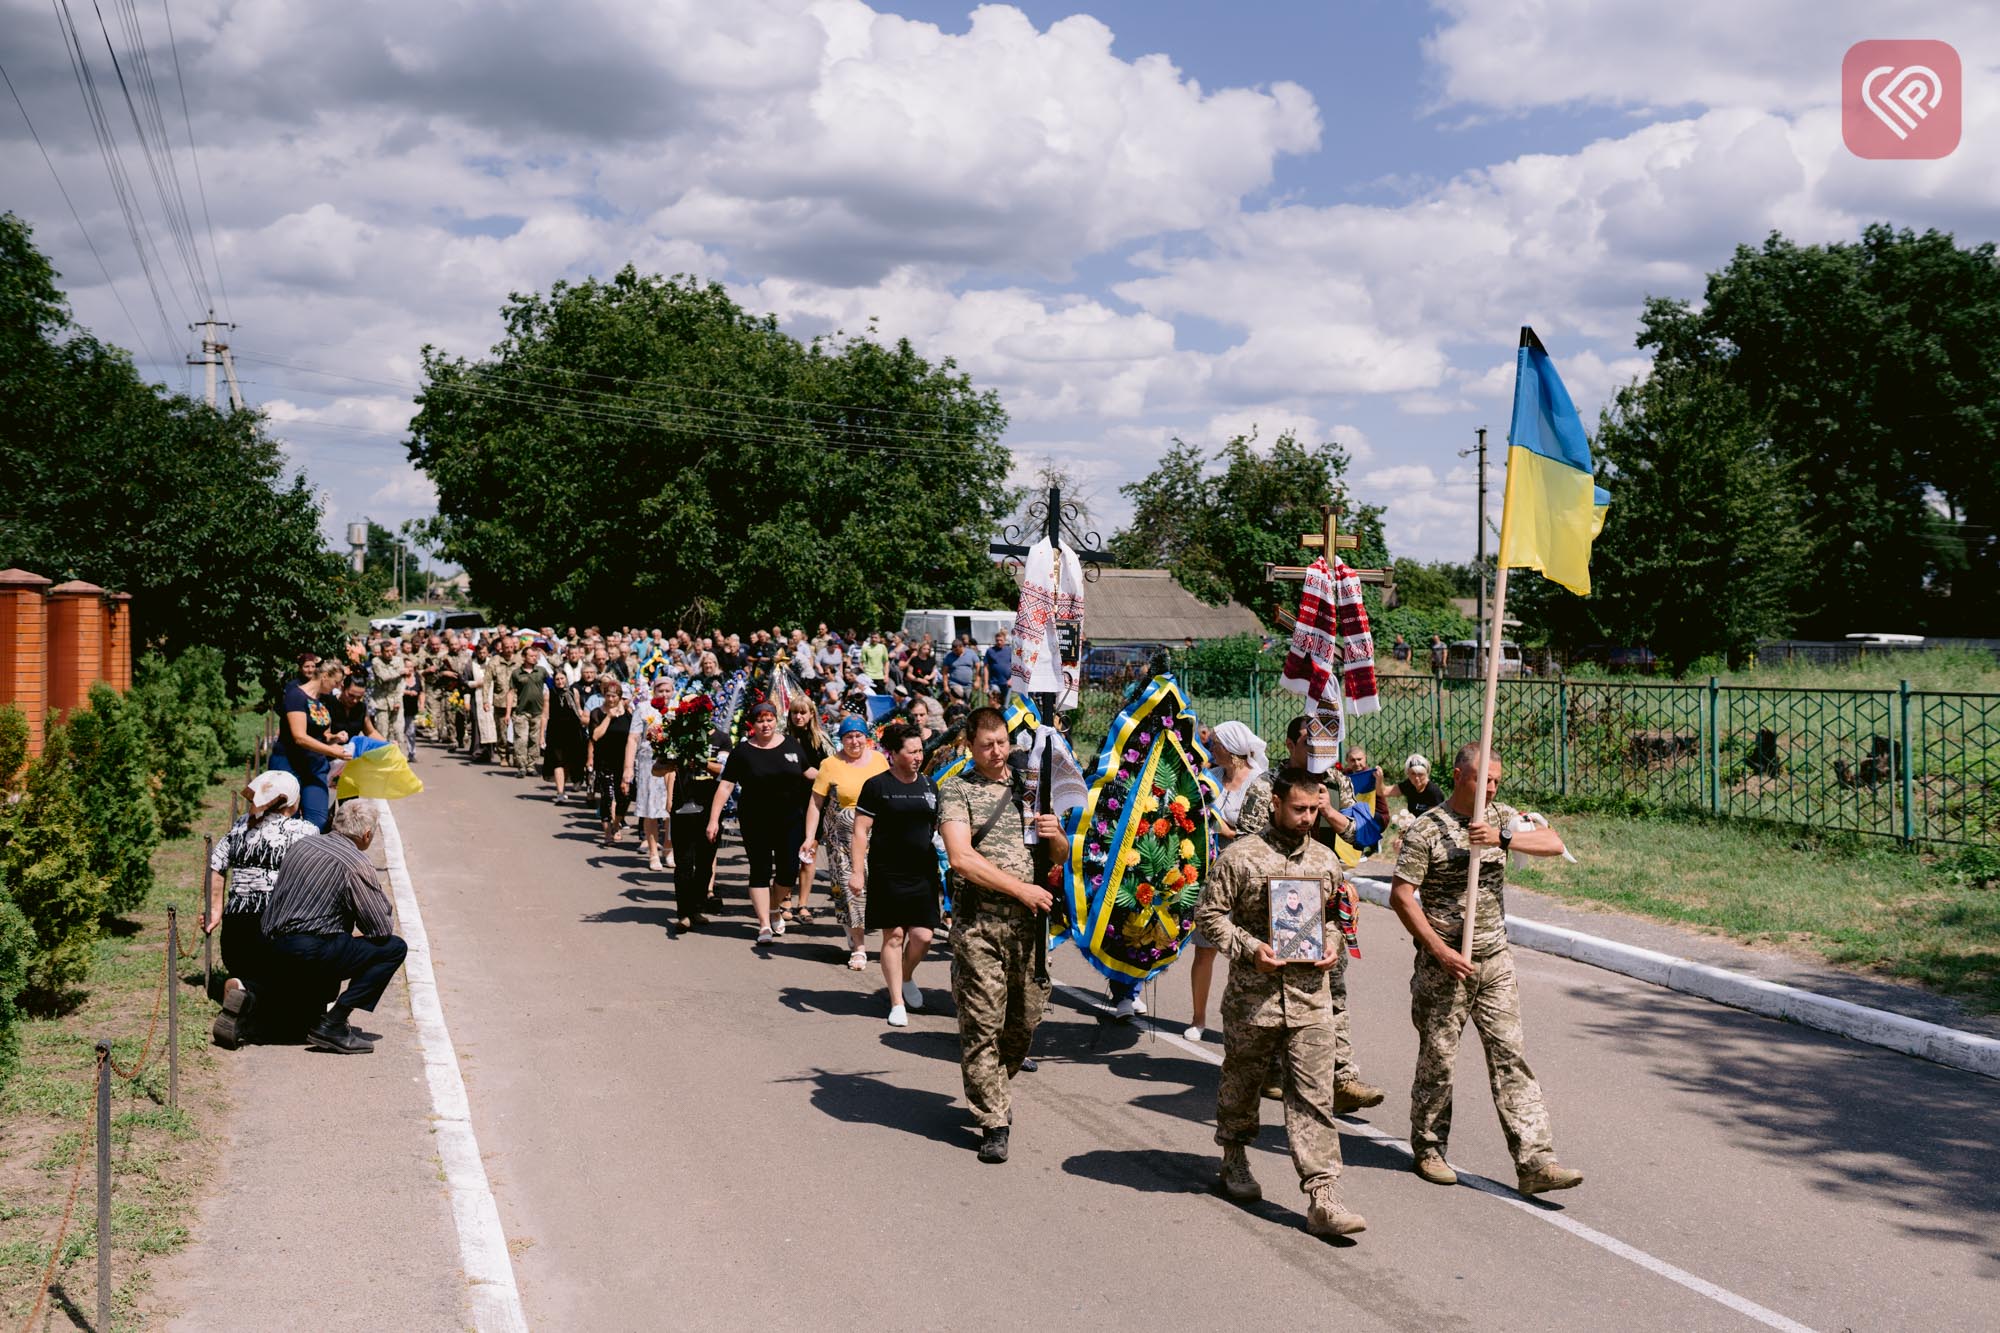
1134	220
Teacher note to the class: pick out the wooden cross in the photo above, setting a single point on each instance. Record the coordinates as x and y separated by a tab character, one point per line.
1328	540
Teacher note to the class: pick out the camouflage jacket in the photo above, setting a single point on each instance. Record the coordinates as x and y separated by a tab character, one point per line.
969	799
1436	858
1235	915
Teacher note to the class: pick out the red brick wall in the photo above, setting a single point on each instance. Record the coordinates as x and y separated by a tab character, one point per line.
24	648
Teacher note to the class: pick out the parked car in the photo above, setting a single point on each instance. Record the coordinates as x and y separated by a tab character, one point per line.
409	622
1119	664
461	621
1619	657
1465	661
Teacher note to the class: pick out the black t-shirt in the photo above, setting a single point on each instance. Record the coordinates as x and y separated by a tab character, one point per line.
1430	798
770	784
901	857
727	661
319	721
350	718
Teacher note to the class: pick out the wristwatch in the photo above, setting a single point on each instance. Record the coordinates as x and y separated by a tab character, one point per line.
1506	838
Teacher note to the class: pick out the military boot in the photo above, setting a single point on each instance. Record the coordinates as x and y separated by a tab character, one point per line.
1235	1178
1328	1216
1351	1094
1548	1174
1430	1164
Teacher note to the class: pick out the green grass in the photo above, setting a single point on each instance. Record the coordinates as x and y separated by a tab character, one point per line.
161	1155
1855	903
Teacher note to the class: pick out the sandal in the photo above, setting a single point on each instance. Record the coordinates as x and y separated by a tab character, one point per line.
786	916
858	961
805	917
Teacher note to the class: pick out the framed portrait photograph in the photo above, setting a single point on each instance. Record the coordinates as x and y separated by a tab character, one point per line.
1298	920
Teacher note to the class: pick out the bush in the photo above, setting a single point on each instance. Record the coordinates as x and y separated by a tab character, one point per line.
200	672
45	870
180	726
111	766
17	947
13	745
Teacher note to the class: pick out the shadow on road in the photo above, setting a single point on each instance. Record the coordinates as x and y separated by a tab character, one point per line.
864	1099
1854	1121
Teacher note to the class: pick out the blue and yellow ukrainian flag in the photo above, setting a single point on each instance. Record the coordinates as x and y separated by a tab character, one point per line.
377	771
1553	507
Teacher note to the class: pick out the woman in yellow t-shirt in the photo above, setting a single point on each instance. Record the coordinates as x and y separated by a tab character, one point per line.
835	791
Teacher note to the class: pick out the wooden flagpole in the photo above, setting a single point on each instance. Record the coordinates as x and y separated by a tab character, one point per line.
1486	712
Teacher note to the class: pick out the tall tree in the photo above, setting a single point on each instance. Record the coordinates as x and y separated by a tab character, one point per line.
1216	527
106	478
645	447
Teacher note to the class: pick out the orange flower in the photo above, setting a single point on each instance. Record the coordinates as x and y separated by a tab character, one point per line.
1178	805
1160	827
1173	879
1144	893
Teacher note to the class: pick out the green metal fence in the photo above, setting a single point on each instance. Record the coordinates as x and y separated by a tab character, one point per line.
1916	765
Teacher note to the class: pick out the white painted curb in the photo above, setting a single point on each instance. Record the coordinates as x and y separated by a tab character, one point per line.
482	1242
1858	1022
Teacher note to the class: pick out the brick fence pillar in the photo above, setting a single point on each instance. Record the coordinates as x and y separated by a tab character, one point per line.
24	618
76	643
118	641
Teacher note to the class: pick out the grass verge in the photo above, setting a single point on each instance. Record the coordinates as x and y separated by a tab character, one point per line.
161	1156
1856	903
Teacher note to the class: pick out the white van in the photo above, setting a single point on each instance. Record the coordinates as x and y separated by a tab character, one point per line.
944	626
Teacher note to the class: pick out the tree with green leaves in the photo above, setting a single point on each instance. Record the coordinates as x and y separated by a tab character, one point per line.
1215	522
45	871
111	766
106	478
645	448
1869	372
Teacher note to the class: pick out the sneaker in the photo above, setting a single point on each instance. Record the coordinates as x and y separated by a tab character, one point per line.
777	925
764	937
1138	1003
913	996
1193	1033
1430	1164
899	1017
993	1147
1235	1177
1328	1216
1548	1175
331	1034
1353	1095
1127	1007
1028	1065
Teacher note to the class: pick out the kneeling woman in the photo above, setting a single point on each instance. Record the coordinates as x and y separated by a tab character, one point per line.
895	865
250	853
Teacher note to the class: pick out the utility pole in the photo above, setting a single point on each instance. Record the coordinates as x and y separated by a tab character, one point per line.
1480	559
215	352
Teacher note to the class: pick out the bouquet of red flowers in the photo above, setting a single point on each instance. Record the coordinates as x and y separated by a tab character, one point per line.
688	730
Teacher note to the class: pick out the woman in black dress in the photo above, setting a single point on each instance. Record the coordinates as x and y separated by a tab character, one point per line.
567	735
611	735
769	771
896	865
690	793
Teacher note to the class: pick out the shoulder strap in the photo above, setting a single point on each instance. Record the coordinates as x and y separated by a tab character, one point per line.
999	808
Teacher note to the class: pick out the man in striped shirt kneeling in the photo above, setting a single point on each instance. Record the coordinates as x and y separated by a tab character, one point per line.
330	920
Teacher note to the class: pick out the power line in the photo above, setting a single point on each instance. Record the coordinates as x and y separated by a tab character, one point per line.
691	414
116	295
200	188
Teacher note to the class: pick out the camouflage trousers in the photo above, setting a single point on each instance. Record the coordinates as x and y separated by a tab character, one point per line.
1439	1006
1305	1055
1343	1042
527	743
999	1006
389	721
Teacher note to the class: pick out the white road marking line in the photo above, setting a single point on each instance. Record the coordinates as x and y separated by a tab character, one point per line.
482	1243
1743	1305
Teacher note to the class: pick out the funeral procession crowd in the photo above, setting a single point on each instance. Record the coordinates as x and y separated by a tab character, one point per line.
904	772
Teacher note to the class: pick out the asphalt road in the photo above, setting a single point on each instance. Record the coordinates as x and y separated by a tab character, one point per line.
681	1132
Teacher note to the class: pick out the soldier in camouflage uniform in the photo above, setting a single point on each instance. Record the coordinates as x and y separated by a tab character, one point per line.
1447	987
996	907
530	689
1278	1009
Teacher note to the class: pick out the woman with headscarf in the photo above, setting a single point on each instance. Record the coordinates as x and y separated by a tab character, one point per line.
830	823
249	855
484	683
1243	807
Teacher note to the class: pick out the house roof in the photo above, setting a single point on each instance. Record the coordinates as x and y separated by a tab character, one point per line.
1147	606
